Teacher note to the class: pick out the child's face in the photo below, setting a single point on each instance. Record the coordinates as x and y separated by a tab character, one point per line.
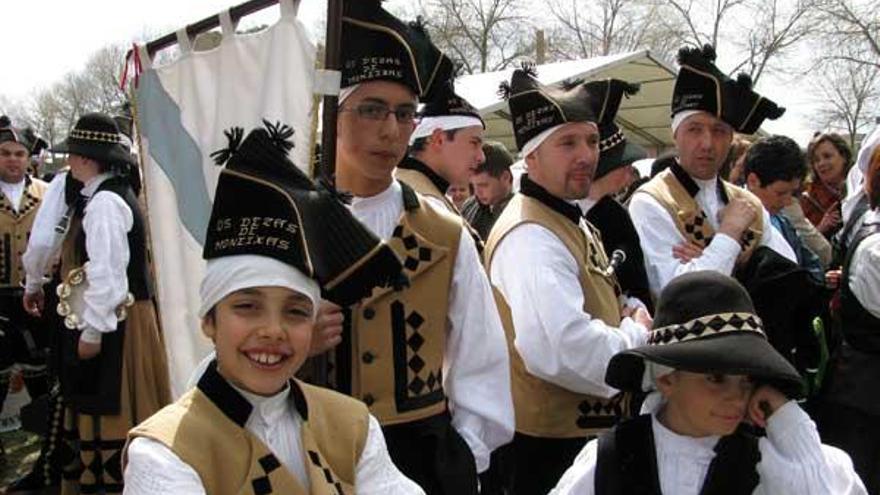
262	336
700	405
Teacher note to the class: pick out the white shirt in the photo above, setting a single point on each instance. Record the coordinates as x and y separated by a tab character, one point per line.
106	222
793	461
864	269
659	234
476	370
154	469
558	341
44	243
13	192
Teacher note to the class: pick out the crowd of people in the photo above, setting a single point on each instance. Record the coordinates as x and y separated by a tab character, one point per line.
570	327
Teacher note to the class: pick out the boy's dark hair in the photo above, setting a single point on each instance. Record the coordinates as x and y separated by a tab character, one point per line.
498	160
775	158
421	143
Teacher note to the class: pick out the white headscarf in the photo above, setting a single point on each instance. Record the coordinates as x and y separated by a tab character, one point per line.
228	274
680	117
427	125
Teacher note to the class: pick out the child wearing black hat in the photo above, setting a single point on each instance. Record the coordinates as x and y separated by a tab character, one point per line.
710	369
276	244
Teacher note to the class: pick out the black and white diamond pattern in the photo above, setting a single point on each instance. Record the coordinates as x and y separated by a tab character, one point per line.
415	254
594	412
331	480
706	325
697	229
420	381
263	485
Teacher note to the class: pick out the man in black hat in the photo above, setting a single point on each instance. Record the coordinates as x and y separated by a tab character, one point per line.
561	304
446	147
114	371
603	211
23	339
709	369
493	188
687	217
429	360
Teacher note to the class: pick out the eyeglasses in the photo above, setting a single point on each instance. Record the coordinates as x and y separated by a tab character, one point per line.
376	111
17	154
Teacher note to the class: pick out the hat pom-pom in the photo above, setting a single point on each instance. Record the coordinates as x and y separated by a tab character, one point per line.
4	121
504	90
234	136
529	68
692	55
280	135
630	89
418	26
744	80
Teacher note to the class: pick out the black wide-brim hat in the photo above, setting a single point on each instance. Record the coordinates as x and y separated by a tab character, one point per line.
701	86
618	156
378	46
96	136
265	205
706	323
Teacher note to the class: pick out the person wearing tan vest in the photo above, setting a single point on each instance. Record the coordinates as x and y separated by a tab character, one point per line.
23	338
446	147
561	304
429	359
687	217
275	241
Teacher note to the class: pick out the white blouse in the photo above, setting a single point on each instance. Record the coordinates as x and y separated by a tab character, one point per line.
44	244
154	469
658	235
864	269
793	461
13	192
476	370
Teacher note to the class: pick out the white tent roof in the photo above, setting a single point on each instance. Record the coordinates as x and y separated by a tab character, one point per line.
643	116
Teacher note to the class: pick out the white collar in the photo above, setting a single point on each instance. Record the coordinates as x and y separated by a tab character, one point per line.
93	184
13	185
706	184
668	440
268	410
392	191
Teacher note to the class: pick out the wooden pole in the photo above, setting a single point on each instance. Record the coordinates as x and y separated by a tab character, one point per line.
331	63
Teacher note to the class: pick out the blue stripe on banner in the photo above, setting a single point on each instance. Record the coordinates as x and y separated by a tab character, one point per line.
176	153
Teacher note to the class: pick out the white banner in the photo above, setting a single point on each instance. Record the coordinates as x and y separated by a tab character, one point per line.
183	109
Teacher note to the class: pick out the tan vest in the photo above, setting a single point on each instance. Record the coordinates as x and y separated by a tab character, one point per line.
691	220
15	229
229	459
423	185
544	409
398	338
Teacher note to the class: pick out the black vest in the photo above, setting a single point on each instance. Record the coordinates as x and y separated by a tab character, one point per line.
857	362
627	462
138	270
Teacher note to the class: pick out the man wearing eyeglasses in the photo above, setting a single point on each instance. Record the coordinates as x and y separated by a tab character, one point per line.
446	147
22	342
429	358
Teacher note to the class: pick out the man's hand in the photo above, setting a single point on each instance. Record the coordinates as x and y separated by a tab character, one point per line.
34	302
765	401
736	217
328	328
638	314
87	350
686	252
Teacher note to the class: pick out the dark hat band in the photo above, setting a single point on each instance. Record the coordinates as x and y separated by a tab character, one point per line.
99	136
704	326
611	141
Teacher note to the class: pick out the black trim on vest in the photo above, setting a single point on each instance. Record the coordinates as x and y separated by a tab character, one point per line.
691	186
627	462
410	197
531	189
224	396
411	163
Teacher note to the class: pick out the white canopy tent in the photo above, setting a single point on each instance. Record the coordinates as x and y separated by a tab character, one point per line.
644	116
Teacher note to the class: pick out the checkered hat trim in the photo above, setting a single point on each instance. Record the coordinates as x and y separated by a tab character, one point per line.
705	326
99	136
611	141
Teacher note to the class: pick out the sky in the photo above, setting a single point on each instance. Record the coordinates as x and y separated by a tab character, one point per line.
46	47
